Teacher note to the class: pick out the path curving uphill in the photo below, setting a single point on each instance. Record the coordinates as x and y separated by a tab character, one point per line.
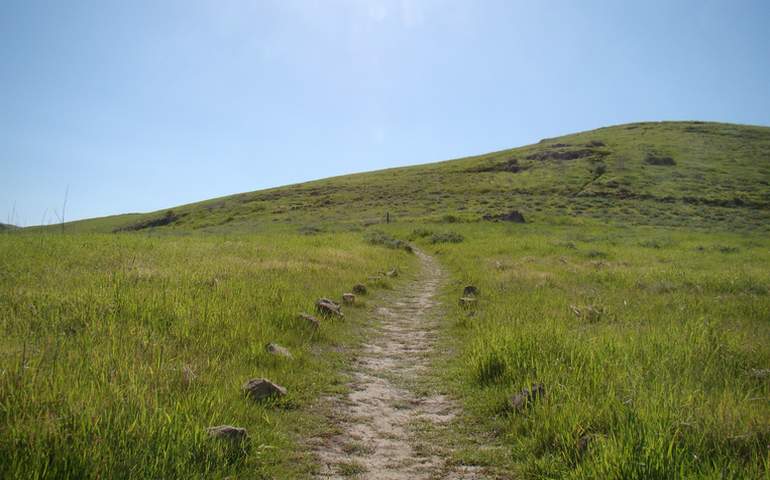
378	421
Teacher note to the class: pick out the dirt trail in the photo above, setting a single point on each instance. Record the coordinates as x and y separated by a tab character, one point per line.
378	420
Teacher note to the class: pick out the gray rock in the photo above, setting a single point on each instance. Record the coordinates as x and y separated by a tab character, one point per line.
348	298
327	307
278	350
392	273
227	432
470	291
527	397
519	401
468	302
512	216
310	320
583	443
262	388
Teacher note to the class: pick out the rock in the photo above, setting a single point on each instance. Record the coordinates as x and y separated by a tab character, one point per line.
327	307
262	388
470	291
527	397
590	313
510	165
227	432
359	289
566	154
467	302
519	401
311	320
348	298
660	160
392	273
513	216
582	444
278	350
537	391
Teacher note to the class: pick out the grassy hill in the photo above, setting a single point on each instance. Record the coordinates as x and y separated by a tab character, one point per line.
5	227
693	174
637	294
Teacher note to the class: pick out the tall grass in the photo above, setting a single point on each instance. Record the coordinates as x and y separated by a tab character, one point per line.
117	351
653	347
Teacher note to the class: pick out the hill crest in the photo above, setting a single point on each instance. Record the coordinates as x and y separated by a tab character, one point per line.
695	174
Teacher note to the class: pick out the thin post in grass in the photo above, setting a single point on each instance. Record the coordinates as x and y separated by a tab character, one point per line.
64	207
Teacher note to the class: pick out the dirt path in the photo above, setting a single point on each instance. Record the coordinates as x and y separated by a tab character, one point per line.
379	420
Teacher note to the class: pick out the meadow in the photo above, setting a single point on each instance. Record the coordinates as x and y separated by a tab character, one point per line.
118	351
636	293
651	345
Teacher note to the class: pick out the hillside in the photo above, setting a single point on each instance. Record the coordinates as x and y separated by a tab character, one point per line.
582	344
694	174
4	227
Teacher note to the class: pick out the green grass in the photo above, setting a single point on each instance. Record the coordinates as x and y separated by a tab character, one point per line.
721	178
638	294
98	330
664	370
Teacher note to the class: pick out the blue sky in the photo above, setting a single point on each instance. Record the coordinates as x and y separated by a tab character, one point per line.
141	105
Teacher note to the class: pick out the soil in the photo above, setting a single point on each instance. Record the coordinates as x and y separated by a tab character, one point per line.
378	422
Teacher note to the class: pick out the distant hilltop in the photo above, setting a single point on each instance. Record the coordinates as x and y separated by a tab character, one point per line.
690	174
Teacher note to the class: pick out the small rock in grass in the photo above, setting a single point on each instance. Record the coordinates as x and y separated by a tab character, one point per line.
278	350
359	289
227	432
470	291
512	216
348	298
590	313
467	302
582	444
262	388
392	273
526	397
311	320
327	307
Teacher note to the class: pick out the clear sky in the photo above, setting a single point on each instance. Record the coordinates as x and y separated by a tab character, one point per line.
141	105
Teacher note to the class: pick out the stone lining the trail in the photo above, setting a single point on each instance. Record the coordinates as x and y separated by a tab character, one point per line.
227	432
327	307
310	320
262	388
278	350
348	298
375	424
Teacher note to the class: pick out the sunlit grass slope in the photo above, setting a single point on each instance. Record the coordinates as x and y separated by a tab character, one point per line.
118	351
653	346
694	174
638	295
